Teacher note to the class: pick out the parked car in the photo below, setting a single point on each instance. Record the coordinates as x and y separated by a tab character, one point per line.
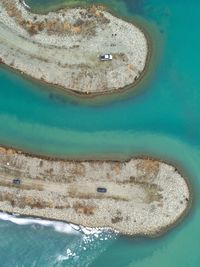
17	181
105	57
101	190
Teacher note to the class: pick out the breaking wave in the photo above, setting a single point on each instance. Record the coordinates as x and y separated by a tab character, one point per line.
61	227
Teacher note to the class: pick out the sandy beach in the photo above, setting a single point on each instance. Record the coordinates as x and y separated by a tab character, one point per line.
63	47
143	197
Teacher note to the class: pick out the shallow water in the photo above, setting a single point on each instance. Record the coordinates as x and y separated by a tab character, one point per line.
161	119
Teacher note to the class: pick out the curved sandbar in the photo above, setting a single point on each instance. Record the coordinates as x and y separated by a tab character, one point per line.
62	48
143	196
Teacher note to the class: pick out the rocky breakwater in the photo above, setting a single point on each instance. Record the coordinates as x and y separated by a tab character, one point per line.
141	196
62	48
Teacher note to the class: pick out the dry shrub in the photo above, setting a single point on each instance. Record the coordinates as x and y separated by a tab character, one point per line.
116	167
22	186
101	7
117	219
130	66
83	208
78	169
5	196
24	201
147	170
76	29
92	10
148	166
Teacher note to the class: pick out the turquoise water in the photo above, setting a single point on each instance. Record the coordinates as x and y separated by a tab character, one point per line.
161	119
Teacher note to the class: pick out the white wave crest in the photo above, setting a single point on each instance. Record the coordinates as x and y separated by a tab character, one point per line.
61	227
58	226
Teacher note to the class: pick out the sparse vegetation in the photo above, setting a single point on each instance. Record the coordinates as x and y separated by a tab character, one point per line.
25	201
57	190
86	209
117	219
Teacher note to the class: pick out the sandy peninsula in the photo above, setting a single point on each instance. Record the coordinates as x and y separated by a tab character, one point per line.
144	196
63	47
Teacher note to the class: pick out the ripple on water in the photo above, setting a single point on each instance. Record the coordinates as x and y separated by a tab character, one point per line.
84	248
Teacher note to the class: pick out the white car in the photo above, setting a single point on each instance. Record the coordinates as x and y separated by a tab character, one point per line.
105	57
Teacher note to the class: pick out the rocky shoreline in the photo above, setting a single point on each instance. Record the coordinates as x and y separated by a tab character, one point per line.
143	197
63	47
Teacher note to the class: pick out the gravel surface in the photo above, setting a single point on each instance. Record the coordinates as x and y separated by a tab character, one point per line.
143	196
62	48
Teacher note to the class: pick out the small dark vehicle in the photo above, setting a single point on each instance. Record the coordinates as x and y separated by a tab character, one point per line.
17	181
101	190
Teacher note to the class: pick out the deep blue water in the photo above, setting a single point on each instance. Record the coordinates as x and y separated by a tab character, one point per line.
160	119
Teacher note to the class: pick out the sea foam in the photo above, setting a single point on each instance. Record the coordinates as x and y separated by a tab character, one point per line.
58	226
61	227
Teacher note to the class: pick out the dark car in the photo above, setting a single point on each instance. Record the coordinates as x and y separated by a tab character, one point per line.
101	190
17	181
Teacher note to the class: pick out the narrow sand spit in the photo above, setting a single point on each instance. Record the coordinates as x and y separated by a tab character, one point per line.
143	196
62	48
